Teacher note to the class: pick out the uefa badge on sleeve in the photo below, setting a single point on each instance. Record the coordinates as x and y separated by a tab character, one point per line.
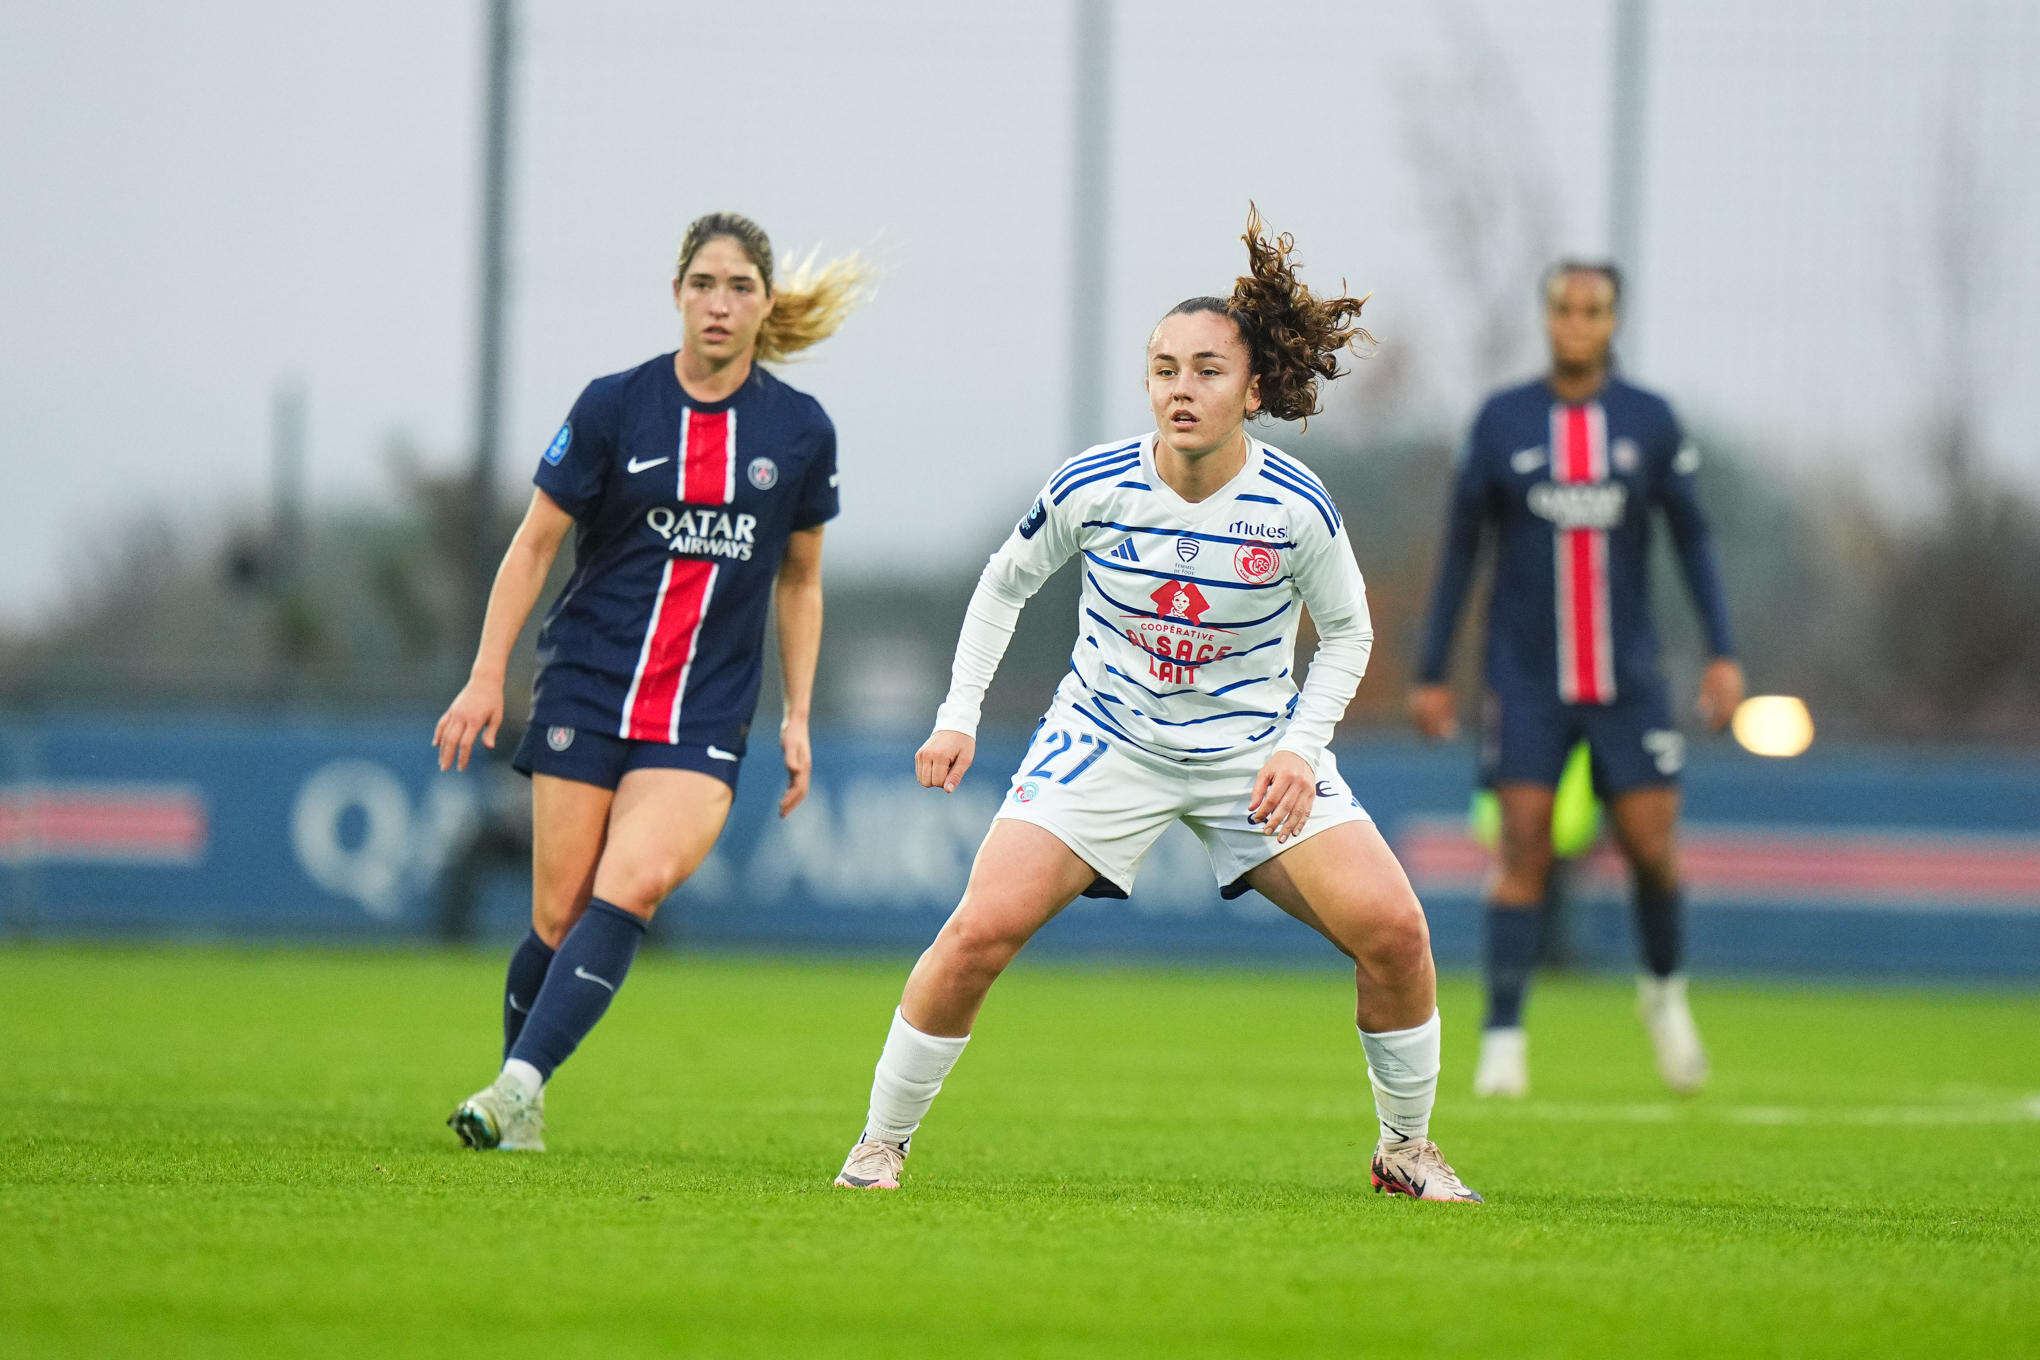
764	473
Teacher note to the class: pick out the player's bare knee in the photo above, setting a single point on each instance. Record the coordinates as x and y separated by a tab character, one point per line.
1526	862
552	919
639	888
1399	942
977	948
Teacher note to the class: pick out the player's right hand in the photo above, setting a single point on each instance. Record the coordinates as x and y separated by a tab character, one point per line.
1433	712
477	711
943	758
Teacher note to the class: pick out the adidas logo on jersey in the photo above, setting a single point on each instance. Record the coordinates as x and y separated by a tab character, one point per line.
1125	553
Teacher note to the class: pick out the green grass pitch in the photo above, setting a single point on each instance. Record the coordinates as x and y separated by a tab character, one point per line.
213	1152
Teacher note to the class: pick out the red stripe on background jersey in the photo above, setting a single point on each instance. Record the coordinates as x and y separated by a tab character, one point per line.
651	710
1585	663
708	457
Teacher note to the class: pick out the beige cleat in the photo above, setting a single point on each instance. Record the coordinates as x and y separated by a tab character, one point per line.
1419	1170
1504	1067
501	1115
1681	1061
873	1164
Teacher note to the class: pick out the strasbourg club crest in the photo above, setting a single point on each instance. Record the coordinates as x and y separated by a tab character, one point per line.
1257	563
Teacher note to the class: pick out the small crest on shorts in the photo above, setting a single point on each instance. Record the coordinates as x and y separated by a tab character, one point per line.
1186	548
559	738
1257	563
764	473
1024	793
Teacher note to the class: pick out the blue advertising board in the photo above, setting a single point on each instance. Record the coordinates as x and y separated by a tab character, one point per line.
1886	863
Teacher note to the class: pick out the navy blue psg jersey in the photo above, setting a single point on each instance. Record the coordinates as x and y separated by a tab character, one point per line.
1568	491
681	514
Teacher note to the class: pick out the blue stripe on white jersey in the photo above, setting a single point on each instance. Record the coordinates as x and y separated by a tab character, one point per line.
1322	504
1187	533
1109	470
1189	614
1121	565
1084	462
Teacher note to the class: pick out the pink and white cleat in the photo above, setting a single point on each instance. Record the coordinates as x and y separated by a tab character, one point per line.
873	1164
1419	1170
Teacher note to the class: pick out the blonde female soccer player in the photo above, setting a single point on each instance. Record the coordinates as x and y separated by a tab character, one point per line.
697	485
1200	548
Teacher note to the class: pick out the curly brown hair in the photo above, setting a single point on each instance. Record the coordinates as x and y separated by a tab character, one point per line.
1293	337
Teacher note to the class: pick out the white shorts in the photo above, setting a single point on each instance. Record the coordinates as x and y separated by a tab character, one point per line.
1110	803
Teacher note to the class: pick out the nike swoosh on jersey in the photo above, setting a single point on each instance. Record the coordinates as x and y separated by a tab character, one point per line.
717	753
635	466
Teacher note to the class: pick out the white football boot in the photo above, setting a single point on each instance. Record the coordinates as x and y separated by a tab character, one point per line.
1681	1061
501	1115
1419	1170
1504	1068
873	1164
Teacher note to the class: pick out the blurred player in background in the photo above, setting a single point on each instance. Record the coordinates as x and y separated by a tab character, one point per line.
1200	548
697	485
1566	471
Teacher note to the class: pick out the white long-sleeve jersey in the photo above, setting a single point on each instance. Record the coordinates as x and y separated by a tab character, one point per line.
1186	629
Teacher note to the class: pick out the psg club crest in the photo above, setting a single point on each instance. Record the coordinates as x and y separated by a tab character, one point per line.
1024	793
1180	600
559	738
1186	548
1257	563
1624	455
764	473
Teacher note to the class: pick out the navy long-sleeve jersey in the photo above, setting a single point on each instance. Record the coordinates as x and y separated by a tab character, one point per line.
1568	490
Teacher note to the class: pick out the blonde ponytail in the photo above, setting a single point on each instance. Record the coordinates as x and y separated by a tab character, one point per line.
813	302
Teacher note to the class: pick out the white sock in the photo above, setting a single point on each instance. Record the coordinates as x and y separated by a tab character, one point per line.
523	1075
1402	1064
910	1072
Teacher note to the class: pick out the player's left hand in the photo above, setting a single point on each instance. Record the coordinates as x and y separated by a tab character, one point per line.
1721	692
1284	792
800	763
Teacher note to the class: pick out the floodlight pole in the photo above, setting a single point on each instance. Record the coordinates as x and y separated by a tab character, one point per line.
1090	221
1627	85
489	322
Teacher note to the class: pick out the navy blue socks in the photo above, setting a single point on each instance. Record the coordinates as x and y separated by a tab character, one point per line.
1659	929
1511	956
584	977
520	989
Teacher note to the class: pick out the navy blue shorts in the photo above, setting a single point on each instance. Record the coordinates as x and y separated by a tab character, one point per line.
602	760
1631	743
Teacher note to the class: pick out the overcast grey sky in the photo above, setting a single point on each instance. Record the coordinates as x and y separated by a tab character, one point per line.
204	200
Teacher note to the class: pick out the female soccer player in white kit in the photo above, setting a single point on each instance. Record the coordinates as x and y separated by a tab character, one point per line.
1201	547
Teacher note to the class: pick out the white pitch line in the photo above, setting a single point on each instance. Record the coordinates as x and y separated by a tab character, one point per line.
1667	1112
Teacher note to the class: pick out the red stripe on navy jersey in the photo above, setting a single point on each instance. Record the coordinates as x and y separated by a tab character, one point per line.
651	711
1586	670
709	455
